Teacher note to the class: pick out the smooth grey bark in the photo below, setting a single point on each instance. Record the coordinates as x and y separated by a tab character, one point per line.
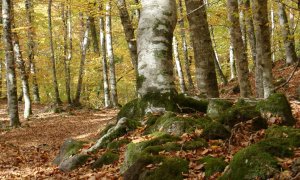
240	52
232	63
107	102
94	35
67	49
178	65
263	45
52	58
84	47
288	40
185	49
250	30
110	55
203	49
273	33
12	97
31	51
1	77
154	42
21	66
242	19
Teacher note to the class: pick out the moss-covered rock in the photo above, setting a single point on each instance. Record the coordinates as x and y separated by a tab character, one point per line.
73	162
194	144
171	168
288	134
69	148
106	159
212	165
278	147
251	163
277	105
242	112
212	129
168	147
189	104
216	107
116	144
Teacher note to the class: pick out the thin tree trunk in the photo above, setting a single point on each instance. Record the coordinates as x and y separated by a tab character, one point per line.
21	65
232	63
94	35
110	54
107	102
263	44
250	30
185	49
289	45
85	43
178	65
1	77
242	20
12	97
55	84
203	49
31	47
240	52
273	32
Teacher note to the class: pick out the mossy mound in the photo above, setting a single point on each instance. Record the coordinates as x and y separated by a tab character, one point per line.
189	104
242	112
106	159
212	129
251	163
277	105
287	134
276	147
216	107
116	144
73	162
212	165
195	144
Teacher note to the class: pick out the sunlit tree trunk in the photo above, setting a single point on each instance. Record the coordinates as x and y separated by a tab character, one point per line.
155	47
203	49
273	32
1	60
106	92
21	65
55	84
178	65
263	45
250	30
240	52
110	55
242	19
12	97
31	51
185	49
84	47
232	63
94	35
289	45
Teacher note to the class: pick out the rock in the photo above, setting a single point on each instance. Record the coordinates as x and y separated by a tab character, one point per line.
288	134
212	165
216	107
278	147
277	105
106	159
134	171
73	162
212	129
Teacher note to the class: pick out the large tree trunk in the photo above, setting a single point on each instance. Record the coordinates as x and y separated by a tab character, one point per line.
94	35
1	60
31	46
178	65
55	84
107	102
250	30
110	54
203	49
185	49
12	97
23	74
155	47
84	47
240	52
289	45
263	45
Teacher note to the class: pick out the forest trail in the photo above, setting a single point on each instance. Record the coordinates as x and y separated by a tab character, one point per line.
28	152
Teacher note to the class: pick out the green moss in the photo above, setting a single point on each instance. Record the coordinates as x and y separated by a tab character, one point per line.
151	119
171	168
130	110
289	134
188	104
277	105
116	144
212	129
73	148
216	107
276	146
104	131
169	147
196	144
107	158
140	81
251	163
212	165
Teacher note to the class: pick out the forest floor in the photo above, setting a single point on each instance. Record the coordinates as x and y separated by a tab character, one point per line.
28	152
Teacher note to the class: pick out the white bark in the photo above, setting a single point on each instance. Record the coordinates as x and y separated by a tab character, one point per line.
178	65
232	63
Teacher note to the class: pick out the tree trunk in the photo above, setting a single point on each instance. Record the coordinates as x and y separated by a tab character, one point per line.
178	65
31	47
250	30
232	63
240	52
84	47
137	11
185	49
106	92
21	65
263	45
155	47
1	77
110	54
272	33
242	19
55	84
289	45
203	49
12	97
94	35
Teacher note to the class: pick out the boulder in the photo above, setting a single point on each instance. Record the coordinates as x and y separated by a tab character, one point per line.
216	107
73	162
106	159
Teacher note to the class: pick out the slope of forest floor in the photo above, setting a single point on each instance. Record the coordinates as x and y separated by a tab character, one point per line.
28	152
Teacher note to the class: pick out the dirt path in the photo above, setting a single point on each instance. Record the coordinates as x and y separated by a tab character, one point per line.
28	152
